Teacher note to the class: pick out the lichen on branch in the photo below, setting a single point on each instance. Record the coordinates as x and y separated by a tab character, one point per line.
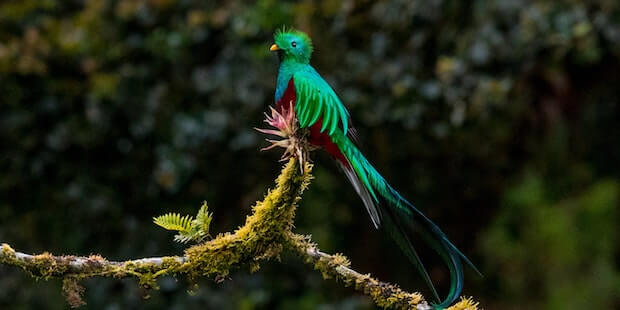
266	233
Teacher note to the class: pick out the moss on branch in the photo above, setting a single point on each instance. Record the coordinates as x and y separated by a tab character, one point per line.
265	234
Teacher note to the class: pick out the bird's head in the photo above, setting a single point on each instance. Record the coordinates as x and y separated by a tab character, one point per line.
292	45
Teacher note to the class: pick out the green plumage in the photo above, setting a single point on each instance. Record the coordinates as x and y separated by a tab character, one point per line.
316	101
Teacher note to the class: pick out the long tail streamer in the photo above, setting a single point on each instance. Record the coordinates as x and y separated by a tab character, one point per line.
387	208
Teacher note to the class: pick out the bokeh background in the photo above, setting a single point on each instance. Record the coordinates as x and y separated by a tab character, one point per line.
498	118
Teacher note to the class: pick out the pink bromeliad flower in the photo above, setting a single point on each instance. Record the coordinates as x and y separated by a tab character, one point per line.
287	127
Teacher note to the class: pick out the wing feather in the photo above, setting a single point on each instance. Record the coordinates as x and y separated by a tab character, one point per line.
334	125
326	118
344	117
300	105
317	100
316	113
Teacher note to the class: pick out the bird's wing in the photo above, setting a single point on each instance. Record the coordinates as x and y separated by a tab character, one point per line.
317	100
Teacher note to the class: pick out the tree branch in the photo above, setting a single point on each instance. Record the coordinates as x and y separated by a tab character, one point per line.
265	234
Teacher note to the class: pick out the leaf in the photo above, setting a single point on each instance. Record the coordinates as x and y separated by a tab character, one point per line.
174	221
189	229
184	238
203	219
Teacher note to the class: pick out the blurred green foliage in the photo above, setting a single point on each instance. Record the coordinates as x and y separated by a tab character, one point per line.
559	253
497	118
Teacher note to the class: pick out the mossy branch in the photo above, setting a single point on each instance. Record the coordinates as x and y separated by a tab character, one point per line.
265	234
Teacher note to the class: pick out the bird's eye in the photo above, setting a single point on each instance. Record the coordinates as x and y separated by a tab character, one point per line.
294	44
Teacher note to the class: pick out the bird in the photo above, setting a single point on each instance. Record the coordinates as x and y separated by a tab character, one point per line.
303	95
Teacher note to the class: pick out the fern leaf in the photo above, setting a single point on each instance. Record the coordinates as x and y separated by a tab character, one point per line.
184	238
174	221
203	219
189	229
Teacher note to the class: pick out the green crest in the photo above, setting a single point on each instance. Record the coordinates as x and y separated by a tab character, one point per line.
293	44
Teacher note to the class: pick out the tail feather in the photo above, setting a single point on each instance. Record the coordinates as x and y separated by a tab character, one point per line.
401	219
396	230
369	202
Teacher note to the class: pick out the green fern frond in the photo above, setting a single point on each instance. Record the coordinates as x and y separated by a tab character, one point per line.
203	219
174	221
189	229
185	238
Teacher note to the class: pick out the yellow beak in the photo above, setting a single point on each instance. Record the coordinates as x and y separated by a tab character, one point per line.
274	48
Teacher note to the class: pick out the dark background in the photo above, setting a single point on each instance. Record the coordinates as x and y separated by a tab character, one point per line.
498	118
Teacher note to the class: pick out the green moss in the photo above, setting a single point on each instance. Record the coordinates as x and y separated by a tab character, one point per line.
148	281
327	265
465	304
8	254
262	235
384	295
171	263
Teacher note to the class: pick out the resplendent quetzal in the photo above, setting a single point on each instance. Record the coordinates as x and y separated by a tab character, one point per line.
318	109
